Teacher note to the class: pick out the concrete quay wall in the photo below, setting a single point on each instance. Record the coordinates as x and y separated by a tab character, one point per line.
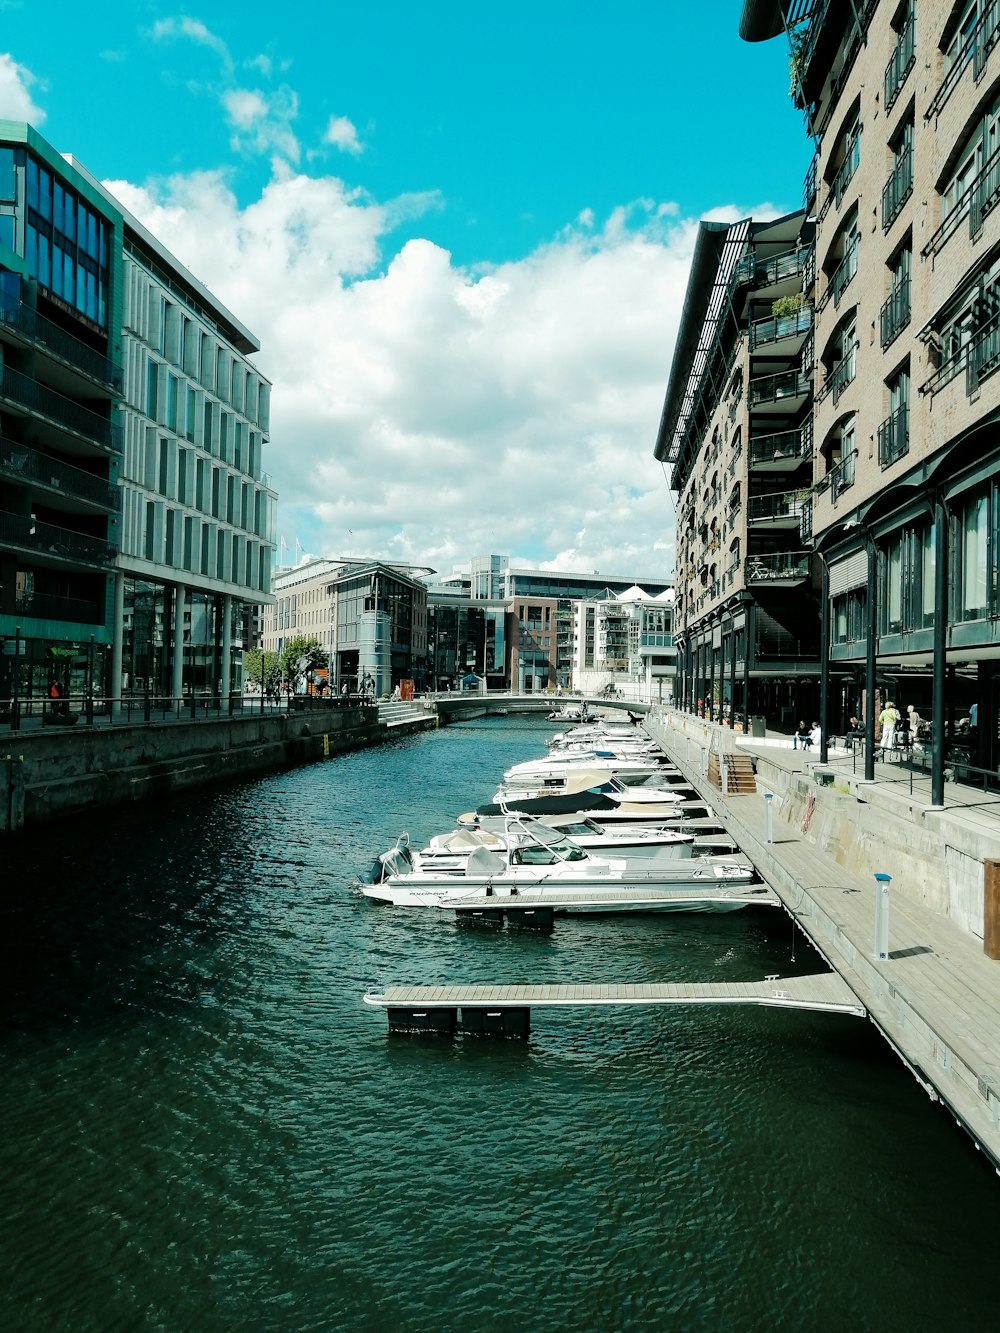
56	772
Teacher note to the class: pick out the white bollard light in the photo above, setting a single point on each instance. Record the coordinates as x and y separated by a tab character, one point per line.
768	816
882	882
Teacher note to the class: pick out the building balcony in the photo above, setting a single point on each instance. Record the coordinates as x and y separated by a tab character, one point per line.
840	477
51	545
74	423
900	63
782	333
897	189
975	202
895	314
781	274
71	610
983	356
776	511
894	436
809	184
845	173
75	488
840	377
806	521
788	391
974	50
35	330
841	277
781	567
777	451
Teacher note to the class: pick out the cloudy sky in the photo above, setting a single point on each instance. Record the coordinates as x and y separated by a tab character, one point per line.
460	230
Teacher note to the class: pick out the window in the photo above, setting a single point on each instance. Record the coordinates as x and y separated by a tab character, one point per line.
894	433
899	186
974	549
895	313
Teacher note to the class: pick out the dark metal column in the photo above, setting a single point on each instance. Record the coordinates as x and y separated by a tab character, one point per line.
824	663
748	628
940	650
870	660
732	673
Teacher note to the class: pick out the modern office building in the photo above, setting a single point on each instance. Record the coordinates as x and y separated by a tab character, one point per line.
736	430
902	101
60	431
465	638
138	525
370	616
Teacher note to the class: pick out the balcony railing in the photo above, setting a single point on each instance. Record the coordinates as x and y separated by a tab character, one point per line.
765	273
848	167
900	63
844	272
841	477
773	388
975	50
978	199
806	521
790	444
46	606
983	355
898	188
26	532
18	461
809	184
895	313
776	566
35	397
765	331
843	374
767	508
16	315
894	436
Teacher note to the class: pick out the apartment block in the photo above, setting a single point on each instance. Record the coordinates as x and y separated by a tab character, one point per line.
902	101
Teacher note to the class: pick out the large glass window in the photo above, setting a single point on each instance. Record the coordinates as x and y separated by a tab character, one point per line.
975	546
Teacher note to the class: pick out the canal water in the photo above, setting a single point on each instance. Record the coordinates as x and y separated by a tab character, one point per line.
204	1128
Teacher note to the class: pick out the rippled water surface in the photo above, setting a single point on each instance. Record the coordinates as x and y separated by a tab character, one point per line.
204	1127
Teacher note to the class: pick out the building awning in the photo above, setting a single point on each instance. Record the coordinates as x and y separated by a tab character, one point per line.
761	20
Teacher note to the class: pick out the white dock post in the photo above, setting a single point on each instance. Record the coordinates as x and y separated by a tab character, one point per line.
768	817
724	772
882	882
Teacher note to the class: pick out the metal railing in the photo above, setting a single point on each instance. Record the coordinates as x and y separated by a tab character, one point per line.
983	354
895	313
28	393
765	273
772	388
18	461
843	374
975	201
776	566
894	436
844	272
20	710
900	63
17	315
790	444
767	508
771	330
44	538
975	50
845	173
897	188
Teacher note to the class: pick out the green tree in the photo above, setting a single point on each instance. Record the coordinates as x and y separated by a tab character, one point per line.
300	656
262	668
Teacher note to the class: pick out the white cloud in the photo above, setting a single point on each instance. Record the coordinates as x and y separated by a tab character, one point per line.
342	134
244	108
16	101
424	412
194	30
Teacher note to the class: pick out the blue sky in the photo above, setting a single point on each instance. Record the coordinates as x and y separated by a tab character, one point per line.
461	232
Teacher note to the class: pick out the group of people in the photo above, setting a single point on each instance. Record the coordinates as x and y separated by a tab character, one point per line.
805	738
896	729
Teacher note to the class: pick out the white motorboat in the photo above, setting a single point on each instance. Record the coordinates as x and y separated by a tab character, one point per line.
605	799
583	778
635	842
539	866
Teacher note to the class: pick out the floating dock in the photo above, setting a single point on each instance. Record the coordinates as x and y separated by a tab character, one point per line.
505	1011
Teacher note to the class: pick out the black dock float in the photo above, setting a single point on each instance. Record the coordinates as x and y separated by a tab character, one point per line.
479	1021
444	1021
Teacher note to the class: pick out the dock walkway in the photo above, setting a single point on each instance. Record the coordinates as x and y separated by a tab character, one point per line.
936	997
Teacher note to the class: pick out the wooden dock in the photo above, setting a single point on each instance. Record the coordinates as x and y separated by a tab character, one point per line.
505	1010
